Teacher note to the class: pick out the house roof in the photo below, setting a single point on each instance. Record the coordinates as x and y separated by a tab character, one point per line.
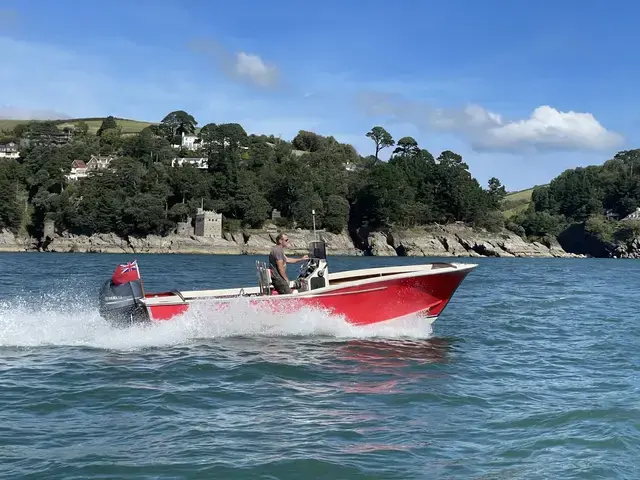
78	164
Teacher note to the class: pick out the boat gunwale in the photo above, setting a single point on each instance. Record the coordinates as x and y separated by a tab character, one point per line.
379	273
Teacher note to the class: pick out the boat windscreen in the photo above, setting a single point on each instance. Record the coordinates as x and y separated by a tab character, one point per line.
318	250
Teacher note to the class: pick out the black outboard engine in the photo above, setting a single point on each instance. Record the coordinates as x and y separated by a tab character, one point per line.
119	303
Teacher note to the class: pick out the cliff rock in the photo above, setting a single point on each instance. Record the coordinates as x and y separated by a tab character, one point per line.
9	242
455	240
458	240
111	243
259	242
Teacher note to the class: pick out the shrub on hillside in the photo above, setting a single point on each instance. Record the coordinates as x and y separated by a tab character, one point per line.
539	224
493	221
515	228
601	228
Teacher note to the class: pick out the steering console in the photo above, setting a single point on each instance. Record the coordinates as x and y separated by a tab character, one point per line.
308	267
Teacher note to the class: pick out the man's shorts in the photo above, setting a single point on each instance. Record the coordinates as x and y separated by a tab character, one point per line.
280	285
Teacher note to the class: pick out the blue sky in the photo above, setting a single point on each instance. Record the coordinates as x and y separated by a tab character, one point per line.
521	90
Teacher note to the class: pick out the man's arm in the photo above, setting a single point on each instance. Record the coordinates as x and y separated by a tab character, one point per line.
296	260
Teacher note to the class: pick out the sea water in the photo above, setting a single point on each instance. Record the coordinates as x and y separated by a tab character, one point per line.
530	372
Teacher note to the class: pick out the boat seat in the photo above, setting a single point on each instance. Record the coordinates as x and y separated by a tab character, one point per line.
264	278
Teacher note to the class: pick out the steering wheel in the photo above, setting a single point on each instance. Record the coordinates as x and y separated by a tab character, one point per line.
306	268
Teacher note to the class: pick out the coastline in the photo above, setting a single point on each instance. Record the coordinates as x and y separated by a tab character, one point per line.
454	240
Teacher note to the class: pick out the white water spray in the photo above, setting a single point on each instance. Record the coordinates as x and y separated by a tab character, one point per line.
64	321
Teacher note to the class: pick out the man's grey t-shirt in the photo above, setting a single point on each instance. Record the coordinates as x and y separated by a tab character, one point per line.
277	253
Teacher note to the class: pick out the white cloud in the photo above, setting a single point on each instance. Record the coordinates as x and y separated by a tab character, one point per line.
254	69
546	128
243	66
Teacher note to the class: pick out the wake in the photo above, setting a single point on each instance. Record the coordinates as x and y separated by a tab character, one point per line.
66	320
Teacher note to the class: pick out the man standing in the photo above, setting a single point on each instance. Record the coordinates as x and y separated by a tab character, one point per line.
278	264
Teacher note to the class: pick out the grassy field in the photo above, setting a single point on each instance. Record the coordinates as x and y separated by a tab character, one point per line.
516	202
7	125
127	126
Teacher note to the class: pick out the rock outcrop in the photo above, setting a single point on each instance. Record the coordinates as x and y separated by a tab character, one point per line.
456	240
111	243
9	242
578	239
630	249
259	243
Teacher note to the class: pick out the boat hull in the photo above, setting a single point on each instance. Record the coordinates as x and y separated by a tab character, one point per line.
359	304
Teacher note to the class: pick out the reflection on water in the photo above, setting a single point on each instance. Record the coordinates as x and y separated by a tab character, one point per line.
387	367
394	353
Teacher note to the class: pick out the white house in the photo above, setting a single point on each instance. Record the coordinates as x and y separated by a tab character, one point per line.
9	150
190	142
99	162
201	162
633	216
78	170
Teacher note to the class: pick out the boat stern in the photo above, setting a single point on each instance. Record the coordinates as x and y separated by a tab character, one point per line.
121	304
120	298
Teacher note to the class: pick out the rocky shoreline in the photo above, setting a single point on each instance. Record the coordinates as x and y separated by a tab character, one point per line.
454	240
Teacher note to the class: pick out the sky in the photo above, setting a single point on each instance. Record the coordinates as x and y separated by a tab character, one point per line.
522	90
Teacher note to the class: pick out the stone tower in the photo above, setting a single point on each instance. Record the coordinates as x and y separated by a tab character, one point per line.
49	229
208	224
184	228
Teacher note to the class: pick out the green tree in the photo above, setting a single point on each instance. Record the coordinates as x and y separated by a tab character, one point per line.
381	138
406	146
383	200
81	129
336	214
108	123
497	192
144	214
10	209
224	144
177	123
249	205
306	201
110	141
308	141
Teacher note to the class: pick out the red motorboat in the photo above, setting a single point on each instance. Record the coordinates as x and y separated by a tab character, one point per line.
362	297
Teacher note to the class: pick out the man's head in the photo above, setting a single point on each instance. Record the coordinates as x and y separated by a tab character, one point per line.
282	239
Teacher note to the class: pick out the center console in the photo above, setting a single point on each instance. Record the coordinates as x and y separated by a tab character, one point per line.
314	272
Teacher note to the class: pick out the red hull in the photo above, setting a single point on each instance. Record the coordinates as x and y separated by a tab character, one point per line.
374	302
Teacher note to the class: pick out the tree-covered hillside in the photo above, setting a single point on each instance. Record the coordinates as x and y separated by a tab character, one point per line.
595	198
247	176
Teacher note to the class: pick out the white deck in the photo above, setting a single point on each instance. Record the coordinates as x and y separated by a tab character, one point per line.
344	279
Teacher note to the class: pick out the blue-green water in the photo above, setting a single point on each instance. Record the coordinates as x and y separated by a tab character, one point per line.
531	372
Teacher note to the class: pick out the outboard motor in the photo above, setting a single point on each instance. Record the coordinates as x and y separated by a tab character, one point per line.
119	303
119	297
